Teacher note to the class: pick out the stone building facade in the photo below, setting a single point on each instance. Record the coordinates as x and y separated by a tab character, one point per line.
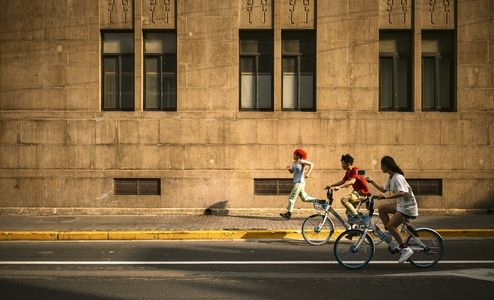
186	106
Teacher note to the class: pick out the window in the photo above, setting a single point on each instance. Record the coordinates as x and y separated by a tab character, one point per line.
118	71
137	186
395	71
298	64
437	71
426	187
272	186
256	70
160	71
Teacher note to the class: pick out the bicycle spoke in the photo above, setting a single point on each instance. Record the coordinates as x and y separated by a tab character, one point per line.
354	253
317	230
427	249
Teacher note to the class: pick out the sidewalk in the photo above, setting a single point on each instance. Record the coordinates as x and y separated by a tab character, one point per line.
185	227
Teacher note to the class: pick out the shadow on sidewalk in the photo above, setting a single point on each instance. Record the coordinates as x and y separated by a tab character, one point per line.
217	209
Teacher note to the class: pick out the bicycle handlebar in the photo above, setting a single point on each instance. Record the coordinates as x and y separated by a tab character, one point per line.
369	204
331	188
329	194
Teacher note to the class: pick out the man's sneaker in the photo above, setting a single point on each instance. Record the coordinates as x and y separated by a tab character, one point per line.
405	254
286	215
322	202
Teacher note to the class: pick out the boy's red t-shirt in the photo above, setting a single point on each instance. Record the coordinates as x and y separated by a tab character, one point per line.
360	184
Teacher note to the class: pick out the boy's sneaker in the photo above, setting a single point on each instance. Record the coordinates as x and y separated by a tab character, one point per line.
405	254
286	215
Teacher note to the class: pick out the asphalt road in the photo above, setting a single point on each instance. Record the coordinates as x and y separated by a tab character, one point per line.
233	270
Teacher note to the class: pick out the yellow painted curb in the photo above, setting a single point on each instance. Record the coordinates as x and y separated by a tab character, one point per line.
200	234
30	236
133	235
83	235
466	233
229	234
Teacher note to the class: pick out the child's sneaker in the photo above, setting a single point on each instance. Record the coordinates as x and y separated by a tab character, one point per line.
286	215
405	254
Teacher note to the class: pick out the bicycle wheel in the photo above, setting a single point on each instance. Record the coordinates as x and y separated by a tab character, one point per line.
352	253
316	231
427	248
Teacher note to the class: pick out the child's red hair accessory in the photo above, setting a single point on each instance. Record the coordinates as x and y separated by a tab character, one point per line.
300	152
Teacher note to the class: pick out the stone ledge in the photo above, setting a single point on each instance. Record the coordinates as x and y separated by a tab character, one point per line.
48	211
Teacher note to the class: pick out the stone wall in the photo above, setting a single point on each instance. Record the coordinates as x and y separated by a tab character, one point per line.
60	152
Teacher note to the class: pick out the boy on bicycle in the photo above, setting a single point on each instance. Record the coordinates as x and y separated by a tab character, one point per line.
351	178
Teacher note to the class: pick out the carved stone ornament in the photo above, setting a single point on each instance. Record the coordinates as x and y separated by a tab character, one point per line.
396	14
255	13
298	13
116	14
438	14
158	14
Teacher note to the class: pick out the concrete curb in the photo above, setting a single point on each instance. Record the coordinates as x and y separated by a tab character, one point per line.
198	235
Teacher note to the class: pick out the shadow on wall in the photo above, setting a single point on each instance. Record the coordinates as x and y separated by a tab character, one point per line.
217	209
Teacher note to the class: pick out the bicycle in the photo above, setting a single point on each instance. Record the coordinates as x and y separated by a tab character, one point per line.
318	229
426	243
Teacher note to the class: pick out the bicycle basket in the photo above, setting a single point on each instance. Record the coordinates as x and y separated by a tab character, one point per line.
351	218
319	206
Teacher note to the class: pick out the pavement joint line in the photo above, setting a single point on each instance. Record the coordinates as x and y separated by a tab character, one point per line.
48	235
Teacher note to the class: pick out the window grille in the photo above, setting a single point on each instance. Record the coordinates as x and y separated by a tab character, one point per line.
280	186
426	187
137	186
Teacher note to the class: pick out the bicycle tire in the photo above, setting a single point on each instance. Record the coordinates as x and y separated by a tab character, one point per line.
429	256
314	232
347	255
